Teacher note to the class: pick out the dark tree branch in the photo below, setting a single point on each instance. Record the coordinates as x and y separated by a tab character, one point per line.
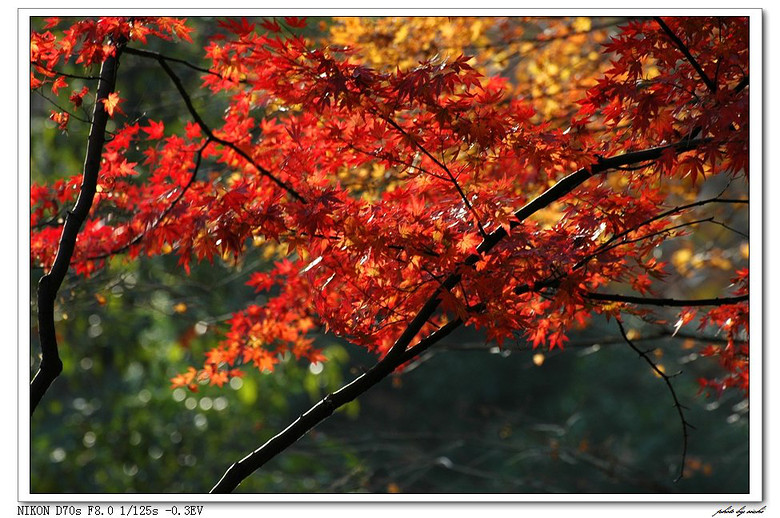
63	74
554	193
650	301
400	352
483	346
49	284
711	86
162	60
742	85
60	108
158	56
668	381
729	228
319	412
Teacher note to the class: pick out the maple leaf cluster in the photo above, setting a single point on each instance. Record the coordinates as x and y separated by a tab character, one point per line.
734	323
381	185
91	41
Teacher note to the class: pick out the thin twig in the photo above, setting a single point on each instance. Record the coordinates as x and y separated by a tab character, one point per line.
63	74
543	39
668	381
158	56
162	60
441	165
728	227
608	245
165	212
63	110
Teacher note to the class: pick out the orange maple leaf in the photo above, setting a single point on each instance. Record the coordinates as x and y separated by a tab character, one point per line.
111	103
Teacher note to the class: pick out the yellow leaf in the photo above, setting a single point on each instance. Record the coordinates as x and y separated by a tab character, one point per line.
719	261
651	72
581	24
681	258
402	33
181	307
111	103
476	29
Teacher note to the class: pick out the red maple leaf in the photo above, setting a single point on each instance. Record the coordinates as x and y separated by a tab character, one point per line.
154	129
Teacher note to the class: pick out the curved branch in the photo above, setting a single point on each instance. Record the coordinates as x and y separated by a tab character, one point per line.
541	40
554	193
60	108
49	284
668	381
678	209
158	56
